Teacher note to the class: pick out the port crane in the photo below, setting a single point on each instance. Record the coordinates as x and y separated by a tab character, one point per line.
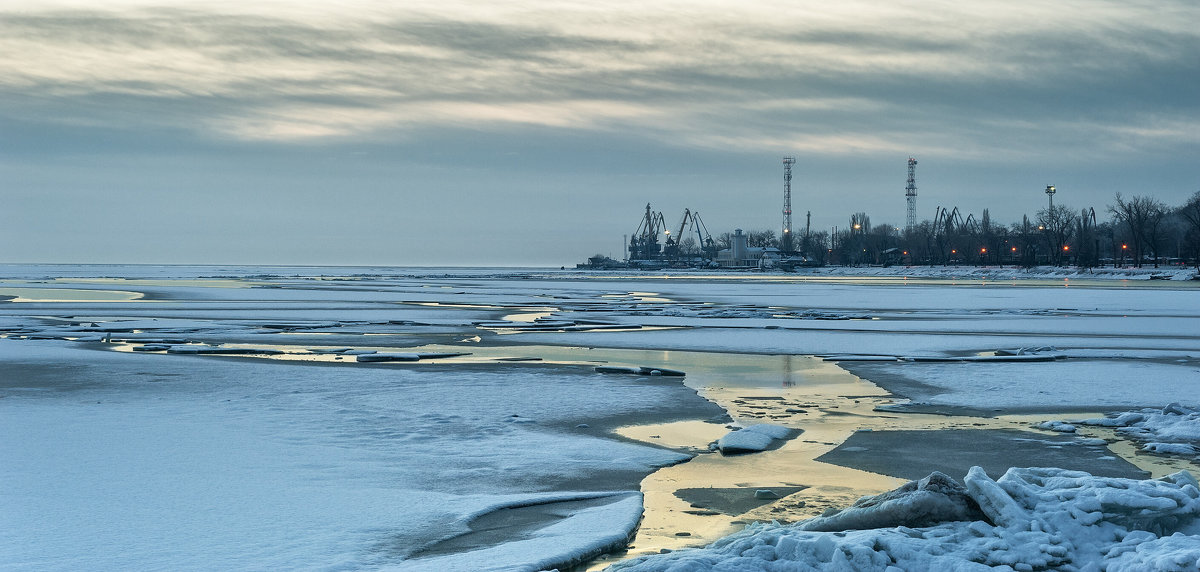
691	222
644	244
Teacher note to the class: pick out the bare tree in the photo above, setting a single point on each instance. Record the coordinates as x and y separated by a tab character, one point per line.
724	240
1025	239
1190	211
1087	253
1058	223
1142	217
762	238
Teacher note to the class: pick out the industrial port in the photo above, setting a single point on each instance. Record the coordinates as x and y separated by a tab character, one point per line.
1142	231
689	244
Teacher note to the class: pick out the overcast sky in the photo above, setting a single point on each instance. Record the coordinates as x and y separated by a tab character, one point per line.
535	132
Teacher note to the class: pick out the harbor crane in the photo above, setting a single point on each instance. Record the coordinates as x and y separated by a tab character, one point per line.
644	245
689	224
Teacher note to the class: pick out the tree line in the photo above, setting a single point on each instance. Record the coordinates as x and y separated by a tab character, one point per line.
1141	230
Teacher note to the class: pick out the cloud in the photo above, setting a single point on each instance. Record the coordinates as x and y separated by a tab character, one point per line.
990	79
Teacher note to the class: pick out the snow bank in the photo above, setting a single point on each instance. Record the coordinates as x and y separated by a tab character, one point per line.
1031	519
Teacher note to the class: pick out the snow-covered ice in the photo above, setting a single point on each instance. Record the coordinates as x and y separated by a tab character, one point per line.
1171	430
128	461
1029	519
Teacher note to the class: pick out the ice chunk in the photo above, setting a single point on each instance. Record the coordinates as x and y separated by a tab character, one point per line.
1170	448
743	441
1060	426
931	500
753	438
994	501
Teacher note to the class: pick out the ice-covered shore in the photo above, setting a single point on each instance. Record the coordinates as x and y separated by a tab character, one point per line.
1029	519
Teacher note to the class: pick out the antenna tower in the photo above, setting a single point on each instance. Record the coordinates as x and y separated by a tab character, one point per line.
787	203
910	192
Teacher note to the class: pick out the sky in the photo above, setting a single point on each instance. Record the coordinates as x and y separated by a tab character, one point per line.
535	132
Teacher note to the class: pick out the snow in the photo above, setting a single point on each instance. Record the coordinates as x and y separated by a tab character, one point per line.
1029	519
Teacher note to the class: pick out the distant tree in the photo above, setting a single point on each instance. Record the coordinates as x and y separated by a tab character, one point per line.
1142	217
988	239
1157	229
819	247
688	247
724	240
762	238
1087	242
1058	224
1025	240
917	242
1190	212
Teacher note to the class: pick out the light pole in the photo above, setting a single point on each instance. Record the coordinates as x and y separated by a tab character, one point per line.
1050	190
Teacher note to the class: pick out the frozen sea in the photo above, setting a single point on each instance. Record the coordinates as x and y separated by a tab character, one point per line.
126	446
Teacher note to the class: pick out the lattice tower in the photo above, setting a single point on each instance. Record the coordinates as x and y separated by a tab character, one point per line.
910	193
787	203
